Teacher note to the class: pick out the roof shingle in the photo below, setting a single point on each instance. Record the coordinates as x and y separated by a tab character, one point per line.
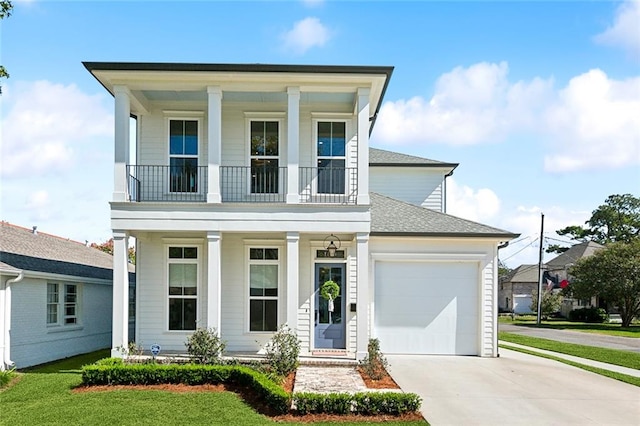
380	157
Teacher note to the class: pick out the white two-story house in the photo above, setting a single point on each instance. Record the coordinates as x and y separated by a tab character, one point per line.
254	184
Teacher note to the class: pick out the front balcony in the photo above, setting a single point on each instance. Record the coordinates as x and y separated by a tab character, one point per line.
242	184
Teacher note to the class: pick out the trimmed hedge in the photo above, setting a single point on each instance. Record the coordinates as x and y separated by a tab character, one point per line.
365	403
592	315
115	372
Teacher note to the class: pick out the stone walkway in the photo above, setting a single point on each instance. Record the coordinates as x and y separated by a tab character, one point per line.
328	379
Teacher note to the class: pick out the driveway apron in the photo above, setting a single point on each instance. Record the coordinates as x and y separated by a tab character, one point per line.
515	389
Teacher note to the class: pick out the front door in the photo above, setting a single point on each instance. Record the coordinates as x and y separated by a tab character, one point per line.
329	326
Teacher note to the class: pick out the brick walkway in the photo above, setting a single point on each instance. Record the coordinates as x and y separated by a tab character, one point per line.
328	379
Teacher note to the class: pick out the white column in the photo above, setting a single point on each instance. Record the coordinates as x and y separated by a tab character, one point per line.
214	131
120	320
363	146
214	280
362	295
293	143
293	264
121	153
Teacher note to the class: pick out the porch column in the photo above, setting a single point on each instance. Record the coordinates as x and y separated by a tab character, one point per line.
362	295
121	153
293	264
214	279
293	143
214	130
120	321
363	146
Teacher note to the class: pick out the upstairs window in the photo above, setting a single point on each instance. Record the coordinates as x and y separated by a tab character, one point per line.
183	156
331	153
265	141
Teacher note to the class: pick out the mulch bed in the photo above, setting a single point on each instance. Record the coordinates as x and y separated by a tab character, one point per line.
252	400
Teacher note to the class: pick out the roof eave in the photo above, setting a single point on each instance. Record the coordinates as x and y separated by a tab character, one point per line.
501	236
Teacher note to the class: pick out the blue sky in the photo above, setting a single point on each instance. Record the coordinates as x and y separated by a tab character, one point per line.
539	102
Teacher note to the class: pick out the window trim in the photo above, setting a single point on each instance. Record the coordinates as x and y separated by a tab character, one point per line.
347	158
248	297
265	117
198	262
61	304
169	156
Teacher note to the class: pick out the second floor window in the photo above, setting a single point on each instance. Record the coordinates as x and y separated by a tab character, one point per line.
183	156
265	141
331	157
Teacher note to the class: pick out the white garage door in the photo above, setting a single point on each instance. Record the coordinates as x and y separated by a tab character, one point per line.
427	307
522	304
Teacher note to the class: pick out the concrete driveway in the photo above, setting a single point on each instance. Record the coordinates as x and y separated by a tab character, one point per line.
514	389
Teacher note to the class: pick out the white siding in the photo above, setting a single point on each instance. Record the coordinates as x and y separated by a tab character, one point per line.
33	342
416	185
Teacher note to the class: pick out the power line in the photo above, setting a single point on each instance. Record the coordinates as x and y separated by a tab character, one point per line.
527	246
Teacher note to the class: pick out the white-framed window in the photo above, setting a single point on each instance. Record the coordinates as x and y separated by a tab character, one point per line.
182	289
264	280
331	154
264	156
63	304
183	155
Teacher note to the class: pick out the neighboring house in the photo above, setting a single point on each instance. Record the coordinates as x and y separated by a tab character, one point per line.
55	295
517	288
255	184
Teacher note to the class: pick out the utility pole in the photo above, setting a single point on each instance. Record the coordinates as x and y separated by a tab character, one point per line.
540	269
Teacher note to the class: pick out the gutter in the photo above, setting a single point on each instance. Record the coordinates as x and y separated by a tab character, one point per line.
6	337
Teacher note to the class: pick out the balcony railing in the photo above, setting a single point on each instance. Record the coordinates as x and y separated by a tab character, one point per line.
242	184
332	185
168	183
245	184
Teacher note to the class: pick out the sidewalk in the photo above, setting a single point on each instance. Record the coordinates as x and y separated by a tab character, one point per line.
584	361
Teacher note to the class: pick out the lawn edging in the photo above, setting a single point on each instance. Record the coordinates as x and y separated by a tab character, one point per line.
113	371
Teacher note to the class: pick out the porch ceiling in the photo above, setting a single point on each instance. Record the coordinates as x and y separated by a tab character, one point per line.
237	96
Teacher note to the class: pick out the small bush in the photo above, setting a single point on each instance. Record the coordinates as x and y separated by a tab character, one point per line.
365	403
205	346
282	351
374	364
592	315
6	376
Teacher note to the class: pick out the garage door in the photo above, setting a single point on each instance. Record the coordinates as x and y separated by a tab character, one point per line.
427	307
522	303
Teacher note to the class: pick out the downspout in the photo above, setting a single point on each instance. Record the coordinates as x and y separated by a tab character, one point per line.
6	350
444	191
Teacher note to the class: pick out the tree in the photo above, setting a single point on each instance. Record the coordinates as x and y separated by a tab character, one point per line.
107	247
5	11
618	219
612	274
551	303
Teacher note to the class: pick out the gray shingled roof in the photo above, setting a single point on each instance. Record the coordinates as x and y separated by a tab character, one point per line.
523	274
380	158
393	217
22	249
572	255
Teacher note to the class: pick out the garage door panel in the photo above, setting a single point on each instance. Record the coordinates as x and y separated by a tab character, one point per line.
427	307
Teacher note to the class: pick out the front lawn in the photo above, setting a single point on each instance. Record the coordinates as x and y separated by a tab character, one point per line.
44	395
610	356
562	324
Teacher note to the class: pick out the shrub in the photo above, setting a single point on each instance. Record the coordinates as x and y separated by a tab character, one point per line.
6	376
282	351
374	364
205	346
365	403
593	315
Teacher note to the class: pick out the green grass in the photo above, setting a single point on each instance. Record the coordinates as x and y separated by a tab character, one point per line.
44	395
612	374
561	324
610	356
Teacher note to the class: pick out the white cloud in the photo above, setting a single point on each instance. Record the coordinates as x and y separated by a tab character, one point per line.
47	125
477	205
305	34
39	205
470	106
625	31
595	123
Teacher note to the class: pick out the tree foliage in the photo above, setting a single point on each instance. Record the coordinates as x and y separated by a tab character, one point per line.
551	303
618	219
107	247
5	11
613	274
